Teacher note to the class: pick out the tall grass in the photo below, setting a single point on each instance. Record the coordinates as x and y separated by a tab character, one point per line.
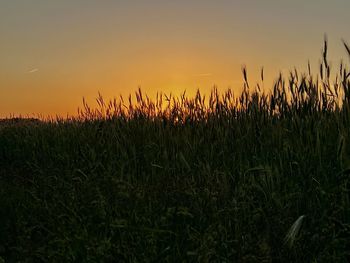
258	177
299	95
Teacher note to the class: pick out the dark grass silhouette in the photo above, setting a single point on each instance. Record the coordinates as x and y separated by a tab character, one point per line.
262	177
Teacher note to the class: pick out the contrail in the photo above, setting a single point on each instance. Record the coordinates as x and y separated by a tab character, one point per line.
203	75
33	70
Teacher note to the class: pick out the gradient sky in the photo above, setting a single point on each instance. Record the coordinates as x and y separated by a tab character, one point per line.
52	53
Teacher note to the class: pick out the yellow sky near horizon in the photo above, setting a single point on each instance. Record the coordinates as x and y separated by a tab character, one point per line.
55	53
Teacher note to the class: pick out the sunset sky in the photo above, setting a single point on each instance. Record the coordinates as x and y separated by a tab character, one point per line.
54	53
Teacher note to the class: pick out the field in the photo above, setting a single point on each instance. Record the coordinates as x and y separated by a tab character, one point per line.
258	177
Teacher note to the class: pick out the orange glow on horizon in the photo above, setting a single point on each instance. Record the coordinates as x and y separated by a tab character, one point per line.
55	53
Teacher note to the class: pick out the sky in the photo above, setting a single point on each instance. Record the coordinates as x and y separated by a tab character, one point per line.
54	53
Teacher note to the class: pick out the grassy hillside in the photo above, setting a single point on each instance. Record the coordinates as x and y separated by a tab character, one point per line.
262	177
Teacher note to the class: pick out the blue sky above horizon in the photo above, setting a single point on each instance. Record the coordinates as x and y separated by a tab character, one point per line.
55	52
